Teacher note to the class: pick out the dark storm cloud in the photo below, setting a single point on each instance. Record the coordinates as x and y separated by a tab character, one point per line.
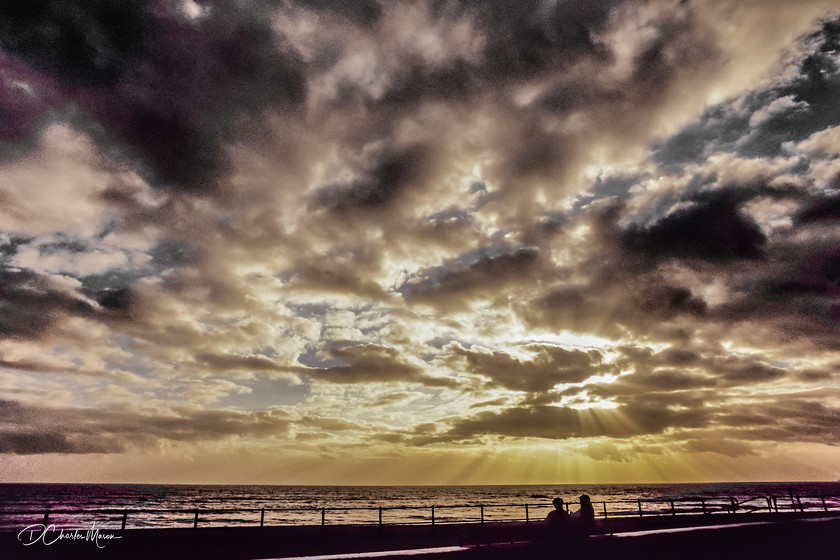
797	289
530	37
712	229
381	185
11	245
36	443
151	84
548	366
655	67
20	113
91	43
678	368
372	363
824	208
31	429
346	270
801	417
335	277
360	12
554	422
728	447
522	40
172	252
665	380
817	274
470	276
119	300
18	301
539	422
33	306
418	83
615	299
684	416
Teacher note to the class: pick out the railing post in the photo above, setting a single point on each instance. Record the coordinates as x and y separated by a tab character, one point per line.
433	515
769	504
262	517
605	509
323	516
380	516
703	505
825	507
482	513
125	515
46	518
527	517
195	520
673	510
640	507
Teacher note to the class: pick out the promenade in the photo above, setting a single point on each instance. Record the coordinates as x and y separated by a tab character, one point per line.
797	536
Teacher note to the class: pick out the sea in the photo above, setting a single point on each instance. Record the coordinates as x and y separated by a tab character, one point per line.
136	506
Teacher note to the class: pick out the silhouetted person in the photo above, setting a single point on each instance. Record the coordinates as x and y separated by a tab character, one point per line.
733	505
584	518
557	521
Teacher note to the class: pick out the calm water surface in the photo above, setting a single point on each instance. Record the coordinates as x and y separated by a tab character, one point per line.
174	505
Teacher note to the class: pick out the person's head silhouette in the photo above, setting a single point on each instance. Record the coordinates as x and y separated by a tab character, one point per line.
558	503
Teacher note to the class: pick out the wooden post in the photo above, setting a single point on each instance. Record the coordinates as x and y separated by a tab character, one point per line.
640	507
46	518
262	517
323	516
703	504
482	513
673	510
433	515
528	518
195	520
125	515
769	504
380	516
605	509
825	507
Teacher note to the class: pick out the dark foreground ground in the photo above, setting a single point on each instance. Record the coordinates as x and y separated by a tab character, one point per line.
714	537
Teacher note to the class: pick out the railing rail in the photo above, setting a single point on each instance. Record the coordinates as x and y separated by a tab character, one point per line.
475	512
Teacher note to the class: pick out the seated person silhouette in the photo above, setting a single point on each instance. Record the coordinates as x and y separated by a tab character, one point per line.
584	518
557	521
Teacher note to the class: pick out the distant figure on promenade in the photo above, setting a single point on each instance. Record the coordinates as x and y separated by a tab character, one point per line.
559	519
584	518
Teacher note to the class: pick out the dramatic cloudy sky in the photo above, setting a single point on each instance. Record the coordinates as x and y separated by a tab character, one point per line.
425	241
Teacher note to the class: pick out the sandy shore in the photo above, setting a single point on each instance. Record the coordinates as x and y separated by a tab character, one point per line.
742	536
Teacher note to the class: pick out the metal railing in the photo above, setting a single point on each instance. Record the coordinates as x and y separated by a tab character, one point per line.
423	514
